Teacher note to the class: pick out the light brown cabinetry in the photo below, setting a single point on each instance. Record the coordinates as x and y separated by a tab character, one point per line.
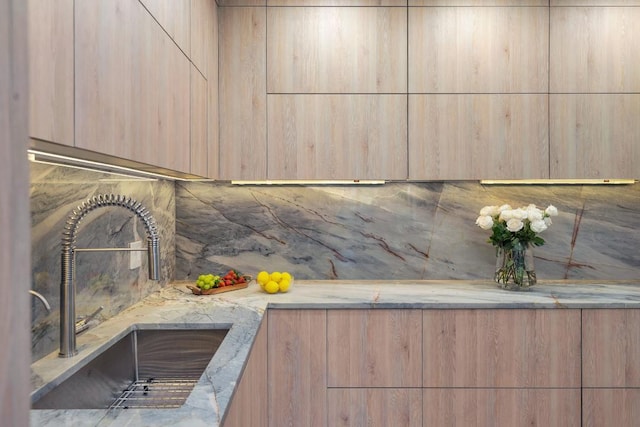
336	50
51	81
374	366
248	406
501	367
243	96
374	348
199	143
507	137
132	86
174	17
611	366
337	136
478	49
297	382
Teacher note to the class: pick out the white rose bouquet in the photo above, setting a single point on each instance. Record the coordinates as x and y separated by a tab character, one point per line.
512	226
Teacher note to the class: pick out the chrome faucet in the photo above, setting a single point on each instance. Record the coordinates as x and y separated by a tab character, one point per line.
68	324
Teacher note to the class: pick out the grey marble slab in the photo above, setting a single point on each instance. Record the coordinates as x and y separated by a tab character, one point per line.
177	307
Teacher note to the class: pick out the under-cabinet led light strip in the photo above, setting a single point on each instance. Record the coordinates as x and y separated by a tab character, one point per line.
310	182
613	181
74	162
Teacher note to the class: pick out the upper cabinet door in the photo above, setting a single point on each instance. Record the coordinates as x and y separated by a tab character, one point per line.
337	50
478	49
51	70
132	85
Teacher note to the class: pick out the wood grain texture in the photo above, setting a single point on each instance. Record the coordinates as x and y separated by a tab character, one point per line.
502	407
610	407
51	77
200	28
174	17
336	2
297	368
374	348
337	136
478	136
336	50
374	407
248	406
242	96
213	137
199	126
132	86
15	221
501	348
594	135
242	2
478	50
594	49
611	348
595	2
450	3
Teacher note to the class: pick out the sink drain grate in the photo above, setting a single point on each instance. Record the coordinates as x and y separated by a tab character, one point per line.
155	393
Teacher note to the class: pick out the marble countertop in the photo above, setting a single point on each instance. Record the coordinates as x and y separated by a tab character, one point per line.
242	310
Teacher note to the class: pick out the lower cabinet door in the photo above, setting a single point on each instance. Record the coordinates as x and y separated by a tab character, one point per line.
619	407
374	407
502	407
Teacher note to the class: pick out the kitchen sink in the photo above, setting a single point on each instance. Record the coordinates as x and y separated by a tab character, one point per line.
147	368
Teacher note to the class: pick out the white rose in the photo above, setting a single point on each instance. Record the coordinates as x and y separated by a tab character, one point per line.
538	225
534	213
489	211
519	213
504	208
506	215
515	224
485	222
551	210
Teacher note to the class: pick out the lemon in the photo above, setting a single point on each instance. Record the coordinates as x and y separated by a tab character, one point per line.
276	276
263	277
284	285
271	287
286	276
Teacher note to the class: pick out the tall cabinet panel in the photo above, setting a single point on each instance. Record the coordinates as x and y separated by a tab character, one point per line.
132	85
595	92
51	81
242	96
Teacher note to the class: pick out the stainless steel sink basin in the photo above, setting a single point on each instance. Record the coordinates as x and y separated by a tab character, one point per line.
145	369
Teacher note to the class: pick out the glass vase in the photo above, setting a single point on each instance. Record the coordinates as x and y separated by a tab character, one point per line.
514	267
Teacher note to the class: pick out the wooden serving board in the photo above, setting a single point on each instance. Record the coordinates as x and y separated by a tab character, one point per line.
197	291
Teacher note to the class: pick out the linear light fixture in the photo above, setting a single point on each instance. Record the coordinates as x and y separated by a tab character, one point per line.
43	157
310	182
613	181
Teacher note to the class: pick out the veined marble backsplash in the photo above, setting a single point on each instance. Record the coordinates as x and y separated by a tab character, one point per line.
392	231
102	278
399	230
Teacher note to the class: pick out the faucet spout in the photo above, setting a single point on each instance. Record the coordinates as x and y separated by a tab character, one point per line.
68	259
42	299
